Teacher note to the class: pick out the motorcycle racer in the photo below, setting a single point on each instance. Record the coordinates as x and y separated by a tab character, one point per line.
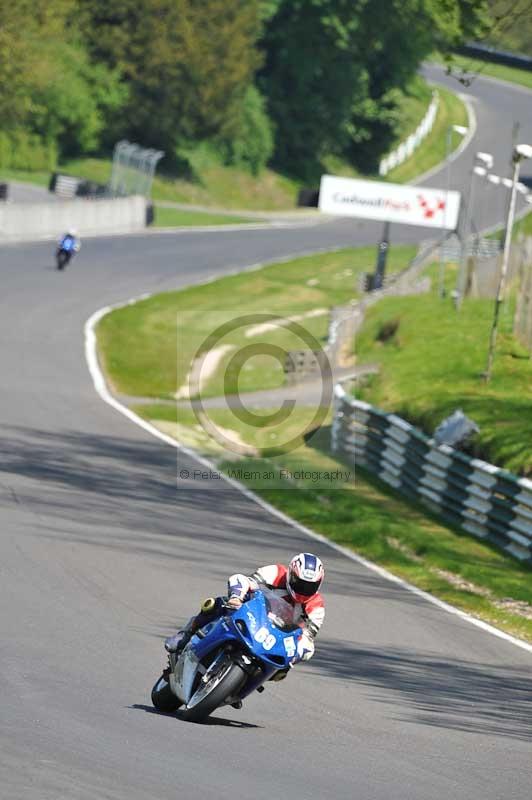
297	584
70	240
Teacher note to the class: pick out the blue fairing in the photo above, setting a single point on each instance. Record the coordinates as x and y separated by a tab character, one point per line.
259	632
68	244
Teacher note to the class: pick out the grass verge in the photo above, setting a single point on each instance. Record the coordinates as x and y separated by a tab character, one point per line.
25	176
174	217
166	331
431	363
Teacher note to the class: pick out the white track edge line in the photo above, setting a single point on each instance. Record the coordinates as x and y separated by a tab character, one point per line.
102	390
466	141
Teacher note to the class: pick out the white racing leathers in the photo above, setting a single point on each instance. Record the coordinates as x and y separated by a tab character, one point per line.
309	615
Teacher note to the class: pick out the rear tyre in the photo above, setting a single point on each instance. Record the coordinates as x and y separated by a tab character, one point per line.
228	686
163	697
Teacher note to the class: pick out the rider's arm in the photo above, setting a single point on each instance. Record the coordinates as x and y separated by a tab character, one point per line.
273	576
310	623
313	616
239	585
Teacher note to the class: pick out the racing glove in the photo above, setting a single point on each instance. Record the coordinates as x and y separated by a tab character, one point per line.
305	647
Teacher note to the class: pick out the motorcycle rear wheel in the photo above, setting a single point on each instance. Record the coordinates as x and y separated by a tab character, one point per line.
163	697
226	687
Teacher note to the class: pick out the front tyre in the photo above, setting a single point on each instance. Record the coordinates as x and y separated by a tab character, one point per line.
224	684
62	259
163	697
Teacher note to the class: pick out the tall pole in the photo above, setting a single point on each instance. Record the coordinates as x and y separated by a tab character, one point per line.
462	271
504	270
382	255
515	132
444	227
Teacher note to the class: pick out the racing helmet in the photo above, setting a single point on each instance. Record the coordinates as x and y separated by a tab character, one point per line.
72	232
304	577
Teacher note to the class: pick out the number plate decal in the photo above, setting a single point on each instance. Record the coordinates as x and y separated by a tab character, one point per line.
290	646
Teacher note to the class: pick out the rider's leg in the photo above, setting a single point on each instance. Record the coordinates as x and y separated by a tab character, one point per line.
211	609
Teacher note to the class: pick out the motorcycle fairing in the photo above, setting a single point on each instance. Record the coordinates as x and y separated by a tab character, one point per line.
263	625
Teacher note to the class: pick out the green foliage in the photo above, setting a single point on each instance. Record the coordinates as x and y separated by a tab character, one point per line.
50	92
333	67
251	145
20	149
188	66
511	25
433	365
175	74
71	105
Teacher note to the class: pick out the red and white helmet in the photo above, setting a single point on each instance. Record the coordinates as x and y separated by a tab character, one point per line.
304	577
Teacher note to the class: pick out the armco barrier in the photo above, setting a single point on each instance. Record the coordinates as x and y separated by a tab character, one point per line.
406	148
482	499
42	220
488	53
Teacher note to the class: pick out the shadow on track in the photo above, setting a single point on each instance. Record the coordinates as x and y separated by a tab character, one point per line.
213	721
437	690
126	494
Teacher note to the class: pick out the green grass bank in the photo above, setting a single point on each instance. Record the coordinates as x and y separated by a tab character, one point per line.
431	360
167	330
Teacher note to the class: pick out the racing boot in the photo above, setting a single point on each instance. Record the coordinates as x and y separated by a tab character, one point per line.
177	643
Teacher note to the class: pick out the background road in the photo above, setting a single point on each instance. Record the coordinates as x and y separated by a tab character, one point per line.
100	556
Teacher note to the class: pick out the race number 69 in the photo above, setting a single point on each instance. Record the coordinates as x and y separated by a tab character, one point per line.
266	639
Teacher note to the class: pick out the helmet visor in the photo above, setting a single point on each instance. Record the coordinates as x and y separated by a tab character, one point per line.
305	588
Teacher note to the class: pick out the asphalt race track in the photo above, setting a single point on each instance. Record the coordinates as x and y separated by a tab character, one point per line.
100	556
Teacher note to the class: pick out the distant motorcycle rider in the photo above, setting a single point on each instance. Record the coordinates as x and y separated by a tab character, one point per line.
68	245
70	241
298	584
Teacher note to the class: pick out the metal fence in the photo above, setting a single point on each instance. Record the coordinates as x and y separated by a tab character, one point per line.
488	53
133	169
486	501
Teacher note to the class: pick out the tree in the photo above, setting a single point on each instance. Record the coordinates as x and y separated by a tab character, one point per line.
250	144
49	87
188	65
511	25
332	67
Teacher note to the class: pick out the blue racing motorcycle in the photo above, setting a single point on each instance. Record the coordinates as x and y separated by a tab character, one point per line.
230	657
68	247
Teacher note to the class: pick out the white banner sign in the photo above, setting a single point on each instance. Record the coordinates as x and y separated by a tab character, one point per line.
389	202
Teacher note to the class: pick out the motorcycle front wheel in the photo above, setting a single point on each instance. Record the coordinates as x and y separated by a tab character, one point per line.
163	697
62	259
225	683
